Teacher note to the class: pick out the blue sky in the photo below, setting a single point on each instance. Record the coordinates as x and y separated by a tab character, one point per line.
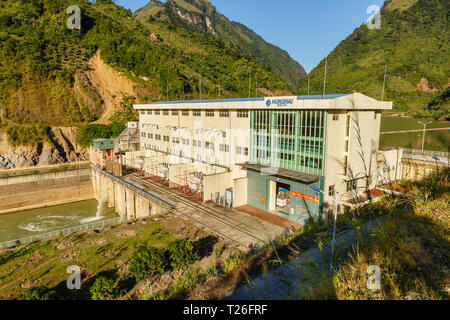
307	29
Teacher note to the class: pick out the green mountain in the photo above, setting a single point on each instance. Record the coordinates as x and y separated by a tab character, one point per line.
413	43
201	16
53	75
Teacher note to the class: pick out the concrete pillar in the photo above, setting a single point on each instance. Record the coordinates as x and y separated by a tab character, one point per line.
131	213
111	197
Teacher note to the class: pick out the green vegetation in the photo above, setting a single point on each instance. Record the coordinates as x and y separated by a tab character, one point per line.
146	262
205	19
411	249
27	135
413	42
90	132
44	65
103	288
181	253
38	293
439	107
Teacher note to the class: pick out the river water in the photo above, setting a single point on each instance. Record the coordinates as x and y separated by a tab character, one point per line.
36	221
434	140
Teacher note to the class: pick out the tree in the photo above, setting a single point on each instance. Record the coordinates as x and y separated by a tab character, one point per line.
181	253
38	293
103	288
146	262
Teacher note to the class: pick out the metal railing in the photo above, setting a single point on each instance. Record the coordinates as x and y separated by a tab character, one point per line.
444	155
57	233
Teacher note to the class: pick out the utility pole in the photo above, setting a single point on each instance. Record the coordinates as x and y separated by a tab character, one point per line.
249	84
424	130
384	84
308	83
325	77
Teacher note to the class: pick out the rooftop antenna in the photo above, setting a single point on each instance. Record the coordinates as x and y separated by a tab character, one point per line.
384	84
325	77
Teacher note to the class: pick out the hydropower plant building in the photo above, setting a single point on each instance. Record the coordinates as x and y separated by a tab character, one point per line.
265	152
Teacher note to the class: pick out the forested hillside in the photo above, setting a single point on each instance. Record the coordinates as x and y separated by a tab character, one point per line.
46	69
413	43
201	16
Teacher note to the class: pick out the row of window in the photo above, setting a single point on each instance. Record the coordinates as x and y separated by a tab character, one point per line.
197	113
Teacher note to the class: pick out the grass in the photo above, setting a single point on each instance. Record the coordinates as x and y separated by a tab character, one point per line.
411	249
96	254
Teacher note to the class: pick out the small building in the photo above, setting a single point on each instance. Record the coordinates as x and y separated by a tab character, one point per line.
128	141
102	150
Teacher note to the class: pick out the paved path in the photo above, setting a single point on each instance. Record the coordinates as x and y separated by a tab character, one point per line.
236	227
283	283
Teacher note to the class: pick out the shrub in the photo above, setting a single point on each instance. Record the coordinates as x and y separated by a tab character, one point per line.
103	288
38	293
147	261
181	253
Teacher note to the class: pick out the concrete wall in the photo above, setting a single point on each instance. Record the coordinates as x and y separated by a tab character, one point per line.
125	201
240	191
390	167
418	169
29	191
217	183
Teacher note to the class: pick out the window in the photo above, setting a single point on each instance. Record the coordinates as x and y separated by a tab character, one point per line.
331	190
174	112
158	137
165	112
224	147
149	112
142	113
150	135
346	145
242	114
166	138
209	113
197	143
245	151
185	113
224	113
157	112
335	116
239	150
196	113
175	140
209	145
186	142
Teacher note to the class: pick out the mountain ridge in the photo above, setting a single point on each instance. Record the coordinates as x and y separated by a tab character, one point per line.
412	43
201	16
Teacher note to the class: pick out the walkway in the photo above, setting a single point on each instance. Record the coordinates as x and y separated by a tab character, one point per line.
236	227
271	218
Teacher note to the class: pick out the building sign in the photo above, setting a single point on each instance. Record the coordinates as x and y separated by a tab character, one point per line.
279	102
304	196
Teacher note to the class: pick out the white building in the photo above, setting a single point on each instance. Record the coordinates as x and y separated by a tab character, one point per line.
266	152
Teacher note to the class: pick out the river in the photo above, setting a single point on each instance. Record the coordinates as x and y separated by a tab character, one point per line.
434	140
36	221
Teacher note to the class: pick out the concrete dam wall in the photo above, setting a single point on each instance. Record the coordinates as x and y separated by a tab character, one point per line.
24	189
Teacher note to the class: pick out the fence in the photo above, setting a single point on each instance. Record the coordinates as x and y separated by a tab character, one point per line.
57	233
439	154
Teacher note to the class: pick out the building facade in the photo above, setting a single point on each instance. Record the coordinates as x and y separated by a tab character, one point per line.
270	150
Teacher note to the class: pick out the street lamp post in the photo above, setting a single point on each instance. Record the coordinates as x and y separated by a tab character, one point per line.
336	202
424	130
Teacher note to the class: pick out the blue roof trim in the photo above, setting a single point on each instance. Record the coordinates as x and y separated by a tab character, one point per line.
320	97
211	100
